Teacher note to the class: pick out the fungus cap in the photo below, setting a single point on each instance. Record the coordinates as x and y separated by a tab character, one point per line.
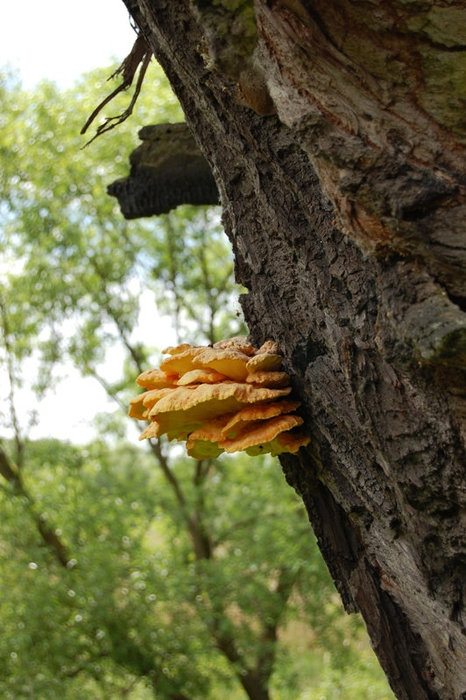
155	379
270	346
151	396
186	408
272	379
201	376
261	433
250	414
238	342
229	362
150	431
203	442
265	362
181	362
212	429
287	441
227	397
186	397
177	349
202	449
137	408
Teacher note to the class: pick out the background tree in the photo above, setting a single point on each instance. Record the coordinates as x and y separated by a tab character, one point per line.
132	572
336	134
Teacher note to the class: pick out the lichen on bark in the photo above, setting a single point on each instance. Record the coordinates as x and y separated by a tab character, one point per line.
230	33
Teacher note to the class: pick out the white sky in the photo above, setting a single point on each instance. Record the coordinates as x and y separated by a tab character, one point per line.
59	40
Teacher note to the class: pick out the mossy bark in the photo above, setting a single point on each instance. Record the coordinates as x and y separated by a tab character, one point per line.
346	211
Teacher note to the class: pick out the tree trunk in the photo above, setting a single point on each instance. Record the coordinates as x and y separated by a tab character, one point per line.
336	135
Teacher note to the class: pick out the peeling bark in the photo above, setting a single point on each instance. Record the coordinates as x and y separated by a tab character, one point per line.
346	213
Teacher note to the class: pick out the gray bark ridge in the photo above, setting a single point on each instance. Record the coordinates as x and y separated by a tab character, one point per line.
346	215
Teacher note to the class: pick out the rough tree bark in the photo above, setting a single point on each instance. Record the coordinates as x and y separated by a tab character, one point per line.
336	133
167	169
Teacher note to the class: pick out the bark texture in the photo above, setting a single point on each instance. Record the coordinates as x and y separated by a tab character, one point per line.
346	211
167	170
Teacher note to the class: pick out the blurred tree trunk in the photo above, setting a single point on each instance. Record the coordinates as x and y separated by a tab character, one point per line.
336	134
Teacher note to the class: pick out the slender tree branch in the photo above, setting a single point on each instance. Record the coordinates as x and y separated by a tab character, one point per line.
170	239
7	470
135	355
12	472
266	658
51	538
208	289
203	467
246	522
156	450
19	442
47	533
253	680
105	385
199	537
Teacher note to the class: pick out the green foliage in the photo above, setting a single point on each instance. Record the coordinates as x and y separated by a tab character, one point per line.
134	601
127	571
83	269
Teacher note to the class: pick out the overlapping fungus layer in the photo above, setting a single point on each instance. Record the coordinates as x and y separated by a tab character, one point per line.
224	398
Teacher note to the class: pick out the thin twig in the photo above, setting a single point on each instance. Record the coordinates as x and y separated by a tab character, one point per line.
167	472
139	55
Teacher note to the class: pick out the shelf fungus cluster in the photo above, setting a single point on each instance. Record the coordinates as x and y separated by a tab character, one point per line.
225	398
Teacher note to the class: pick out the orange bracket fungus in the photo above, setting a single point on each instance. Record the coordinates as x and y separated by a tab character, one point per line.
226	398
